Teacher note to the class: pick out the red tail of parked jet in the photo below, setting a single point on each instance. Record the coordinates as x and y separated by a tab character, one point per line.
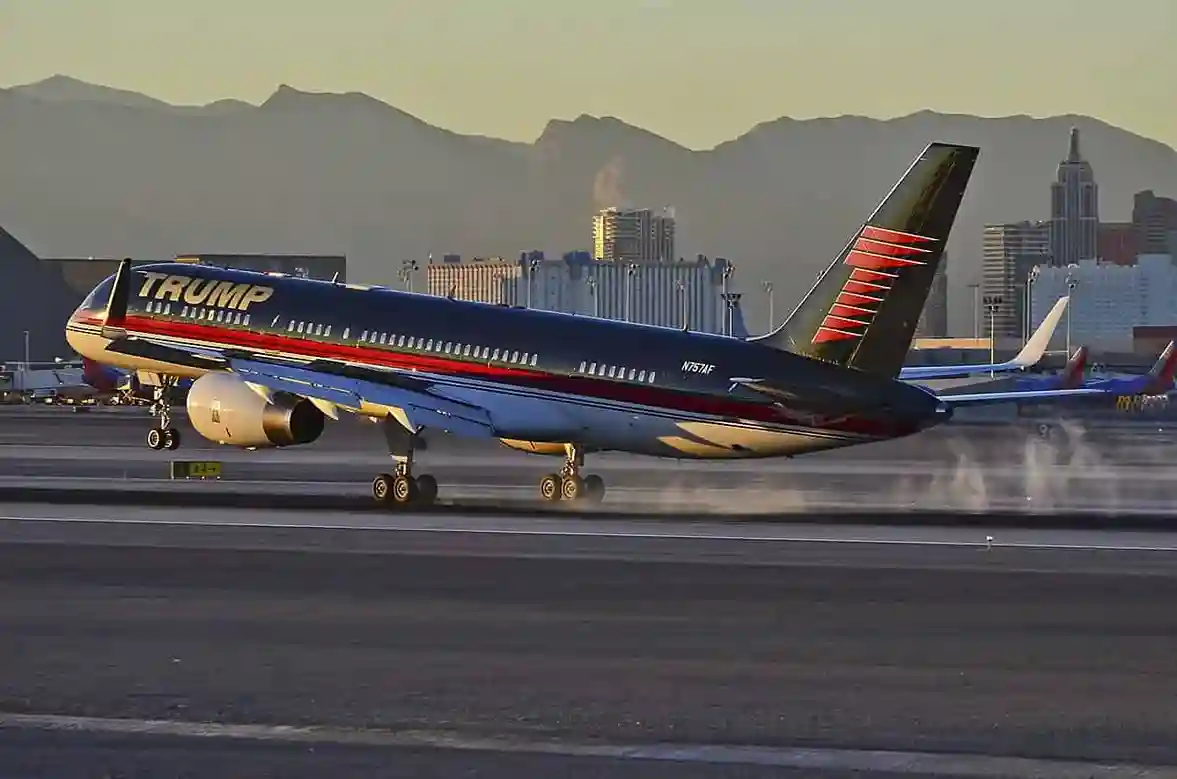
863	310
1162	373
1075	369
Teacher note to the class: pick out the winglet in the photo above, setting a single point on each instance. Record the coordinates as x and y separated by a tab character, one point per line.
120	294
1036	347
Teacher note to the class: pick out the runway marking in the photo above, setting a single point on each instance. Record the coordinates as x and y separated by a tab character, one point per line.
913	763
648	535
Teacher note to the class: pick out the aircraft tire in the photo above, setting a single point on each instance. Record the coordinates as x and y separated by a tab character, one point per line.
404	490
572	488
550	487
382	488
594	488
156	439
426	489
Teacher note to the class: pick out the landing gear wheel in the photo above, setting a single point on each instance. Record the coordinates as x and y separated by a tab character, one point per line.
594	488
171	439
572	488
550	487
404	490
426	489
382	488
156	438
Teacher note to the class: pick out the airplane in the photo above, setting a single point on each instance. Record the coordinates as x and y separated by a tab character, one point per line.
1070	377
1030	355
272	357
1158	381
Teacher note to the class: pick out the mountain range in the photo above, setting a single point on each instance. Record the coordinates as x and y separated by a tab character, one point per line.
94	171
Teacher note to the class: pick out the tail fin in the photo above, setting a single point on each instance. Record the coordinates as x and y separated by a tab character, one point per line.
1162	373
863	310
1074	371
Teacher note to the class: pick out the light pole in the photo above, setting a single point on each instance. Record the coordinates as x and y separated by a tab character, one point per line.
771	318
408	268
682	291
531	268
1031	277
976	288
26	350
630	270
992	304
725	275
592	285
1072	282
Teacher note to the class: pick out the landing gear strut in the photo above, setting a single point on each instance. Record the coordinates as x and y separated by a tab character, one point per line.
401	487
568	484
164	436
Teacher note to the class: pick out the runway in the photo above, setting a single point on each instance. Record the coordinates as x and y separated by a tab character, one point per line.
280	640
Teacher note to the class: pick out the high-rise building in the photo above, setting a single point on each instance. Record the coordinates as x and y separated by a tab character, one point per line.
1010	251
933	321
668	294
1116	243
633	235
1074	209
1155	221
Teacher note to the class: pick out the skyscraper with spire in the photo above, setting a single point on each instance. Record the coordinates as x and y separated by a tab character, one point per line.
1074	209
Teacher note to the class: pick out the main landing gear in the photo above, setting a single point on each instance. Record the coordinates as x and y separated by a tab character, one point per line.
401	487
568	484
164	436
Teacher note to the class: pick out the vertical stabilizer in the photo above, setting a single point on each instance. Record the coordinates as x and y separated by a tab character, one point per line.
1160	378
1075	369
863	310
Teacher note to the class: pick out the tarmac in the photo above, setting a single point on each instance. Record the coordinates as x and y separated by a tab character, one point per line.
178	638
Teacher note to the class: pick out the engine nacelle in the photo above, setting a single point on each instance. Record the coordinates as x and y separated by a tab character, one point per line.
223	408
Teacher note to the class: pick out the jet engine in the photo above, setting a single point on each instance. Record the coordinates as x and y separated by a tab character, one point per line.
224	409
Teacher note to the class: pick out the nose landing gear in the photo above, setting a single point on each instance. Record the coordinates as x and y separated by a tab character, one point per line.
164	436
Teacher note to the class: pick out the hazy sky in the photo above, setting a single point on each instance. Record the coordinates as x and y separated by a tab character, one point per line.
697	71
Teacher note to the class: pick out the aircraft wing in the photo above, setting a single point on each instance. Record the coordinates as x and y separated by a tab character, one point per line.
411	401
981	398
1030	355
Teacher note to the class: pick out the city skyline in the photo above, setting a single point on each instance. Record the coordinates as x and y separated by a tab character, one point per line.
473	69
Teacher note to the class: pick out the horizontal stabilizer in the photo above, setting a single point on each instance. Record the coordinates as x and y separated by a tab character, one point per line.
1013	396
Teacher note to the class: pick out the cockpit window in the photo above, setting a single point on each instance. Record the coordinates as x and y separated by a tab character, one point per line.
98	297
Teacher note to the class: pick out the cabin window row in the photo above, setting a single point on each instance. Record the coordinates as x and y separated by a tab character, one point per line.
417	343
604	370
200	314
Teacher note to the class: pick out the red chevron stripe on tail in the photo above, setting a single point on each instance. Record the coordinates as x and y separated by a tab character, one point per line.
894	236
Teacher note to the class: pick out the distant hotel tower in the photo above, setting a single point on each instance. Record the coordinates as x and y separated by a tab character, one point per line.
1074	209
633	235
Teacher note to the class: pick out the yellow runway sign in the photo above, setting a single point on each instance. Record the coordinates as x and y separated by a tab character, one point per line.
196	469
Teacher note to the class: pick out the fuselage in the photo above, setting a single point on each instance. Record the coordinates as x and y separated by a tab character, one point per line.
545	376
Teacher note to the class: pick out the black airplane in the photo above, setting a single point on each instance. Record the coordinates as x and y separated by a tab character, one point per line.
272	356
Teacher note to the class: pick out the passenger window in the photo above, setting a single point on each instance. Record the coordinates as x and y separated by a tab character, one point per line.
364	336
525	356
632	373
592	369
495	356
184	311
448	345
318	329
429	346
533	358
466	350
382	336
290	326
651	377
583	365
245	321
346	332
612	371
400	340
514	356
327	331
642	376
167	309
